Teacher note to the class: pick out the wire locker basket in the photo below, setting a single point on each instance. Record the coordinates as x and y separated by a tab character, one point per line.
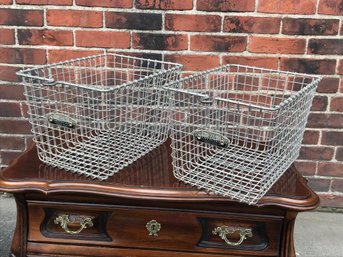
96	115
236	129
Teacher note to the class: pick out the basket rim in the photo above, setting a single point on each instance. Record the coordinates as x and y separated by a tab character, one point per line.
316	79
25	73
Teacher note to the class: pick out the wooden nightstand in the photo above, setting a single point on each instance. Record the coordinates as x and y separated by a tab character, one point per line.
144	211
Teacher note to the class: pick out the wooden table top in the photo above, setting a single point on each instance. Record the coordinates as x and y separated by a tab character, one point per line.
150	177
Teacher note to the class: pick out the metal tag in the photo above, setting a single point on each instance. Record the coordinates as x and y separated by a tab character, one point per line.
211	137
61	120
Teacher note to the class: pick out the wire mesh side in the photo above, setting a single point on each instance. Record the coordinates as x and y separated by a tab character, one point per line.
94	116
236	129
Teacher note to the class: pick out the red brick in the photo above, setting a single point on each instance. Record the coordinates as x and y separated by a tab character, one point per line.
140	54
8	73
11	126
325	120
311	137
302	26
336	104
10	110
200	23
45	2
109	39
12	143
331	7
58	55
332	137
134	20
326	46
263	62
287	6
316	153
159	41
45	37
7	36
72	18
341	86
331	200
340	67
276	45
245	24
319	103
309	66
319	184
164	4
194	62
8	156
306	168
328	85
226	5
22	55
339	153
330	169
12	92
6	1
106	3
19	17
211	43
337	185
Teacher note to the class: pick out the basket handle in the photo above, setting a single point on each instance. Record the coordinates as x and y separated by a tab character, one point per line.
49	82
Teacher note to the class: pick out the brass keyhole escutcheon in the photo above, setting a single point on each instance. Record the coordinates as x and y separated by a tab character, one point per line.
153	227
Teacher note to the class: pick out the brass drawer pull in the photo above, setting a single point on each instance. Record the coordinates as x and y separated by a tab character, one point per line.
65	220
153	227
223	231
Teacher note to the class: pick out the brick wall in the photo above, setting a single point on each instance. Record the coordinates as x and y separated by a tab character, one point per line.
302	36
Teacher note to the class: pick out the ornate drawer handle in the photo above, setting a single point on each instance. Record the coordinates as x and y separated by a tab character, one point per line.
65	220
153	227
224	230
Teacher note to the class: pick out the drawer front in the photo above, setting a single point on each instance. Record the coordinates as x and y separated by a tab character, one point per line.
158	229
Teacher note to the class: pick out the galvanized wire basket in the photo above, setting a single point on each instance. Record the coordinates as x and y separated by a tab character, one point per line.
236	129
96	115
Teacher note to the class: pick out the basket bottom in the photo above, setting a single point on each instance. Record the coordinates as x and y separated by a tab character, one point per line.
105	154
238	173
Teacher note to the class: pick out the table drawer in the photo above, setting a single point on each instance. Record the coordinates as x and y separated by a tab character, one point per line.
159	229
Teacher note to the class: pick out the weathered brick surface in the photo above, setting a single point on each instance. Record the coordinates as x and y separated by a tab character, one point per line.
326	46
194	62
303	26
325	120
246	24
319	184
201	34
18	17
331	200
331	7
287	6
7	36
45	37
310	66
276	45
184	22
164	4
140	21
22	55
105	3
209	43
107	39
264	62
159	41
332	138
316	153
72	18
226	5
62	55
330	169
